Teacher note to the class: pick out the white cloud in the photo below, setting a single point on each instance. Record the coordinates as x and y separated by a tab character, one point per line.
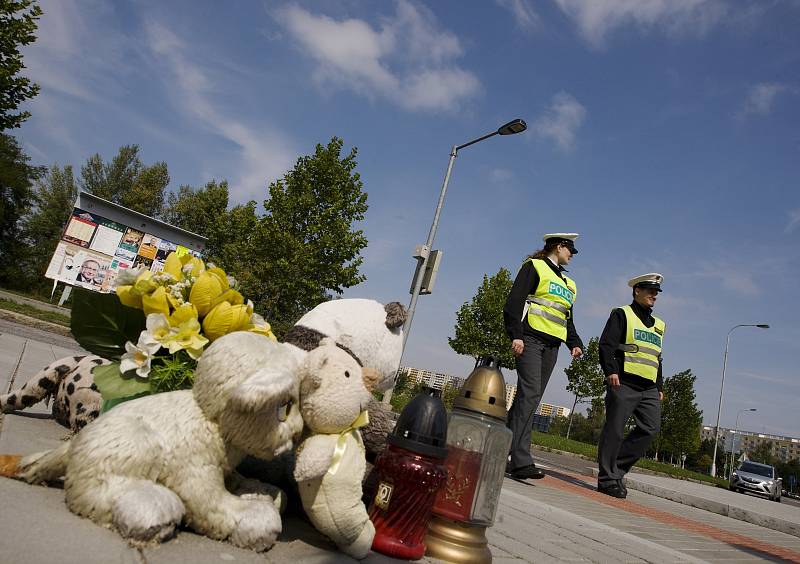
596	18
561	121
265	154
501	175
408	60
524	14
760	99
794	220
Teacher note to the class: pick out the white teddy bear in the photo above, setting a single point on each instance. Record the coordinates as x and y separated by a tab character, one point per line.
330	465
370	330
150	463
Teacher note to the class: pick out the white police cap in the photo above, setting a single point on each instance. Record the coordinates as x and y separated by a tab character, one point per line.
651	280
567	238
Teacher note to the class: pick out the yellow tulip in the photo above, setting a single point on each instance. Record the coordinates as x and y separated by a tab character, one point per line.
182	314
173	266
156	302
225	318
198	267
231	296
220	274
265	330
187	337
203	292
129	297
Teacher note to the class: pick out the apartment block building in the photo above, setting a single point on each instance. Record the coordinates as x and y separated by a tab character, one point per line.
783	448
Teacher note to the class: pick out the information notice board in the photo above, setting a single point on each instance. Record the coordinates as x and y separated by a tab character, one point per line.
101	239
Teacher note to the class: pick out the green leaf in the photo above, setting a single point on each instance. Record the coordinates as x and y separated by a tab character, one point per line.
114	385
102	325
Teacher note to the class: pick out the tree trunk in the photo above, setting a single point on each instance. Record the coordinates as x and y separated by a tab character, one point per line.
571	413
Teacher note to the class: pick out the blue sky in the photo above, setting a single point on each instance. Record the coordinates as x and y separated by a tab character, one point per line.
665	132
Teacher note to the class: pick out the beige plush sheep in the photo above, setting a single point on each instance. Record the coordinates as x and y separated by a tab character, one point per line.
150	463
334	394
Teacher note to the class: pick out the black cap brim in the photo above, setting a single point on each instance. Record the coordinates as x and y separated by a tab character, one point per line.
655	285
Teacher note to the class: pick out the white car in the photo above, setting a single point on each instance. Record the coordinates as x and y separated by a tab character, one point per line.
757	478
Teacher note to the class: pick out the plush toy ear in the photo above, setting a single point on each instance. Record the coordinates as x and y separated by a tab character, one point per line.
371	377
265	389
395	315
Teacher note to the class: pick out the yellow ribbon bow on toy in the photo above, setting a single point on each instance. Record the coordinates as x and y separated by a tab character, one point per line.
341	444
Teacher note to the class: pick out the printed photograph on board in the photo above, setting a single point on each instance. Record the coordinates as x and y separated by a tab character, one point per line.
129	246
149	246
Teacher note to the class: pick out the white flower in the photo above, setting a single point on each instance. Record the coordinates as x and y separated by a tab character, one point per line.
158	330
231	281
127	276
136	358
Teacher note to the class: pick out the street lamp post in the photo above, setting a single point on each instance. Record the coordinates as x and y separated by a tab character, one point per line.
722	387
510	128
736	432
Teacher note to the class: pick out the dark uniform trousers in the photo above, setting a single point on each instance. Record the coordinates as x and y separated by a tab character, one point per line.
534	367
616	456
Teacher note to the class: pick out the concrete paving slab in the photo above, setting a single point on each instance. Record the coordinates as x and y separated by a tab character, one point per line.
36	528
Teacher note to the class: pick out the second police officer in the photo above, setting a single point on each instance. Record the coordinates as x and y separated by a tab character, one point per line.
630	356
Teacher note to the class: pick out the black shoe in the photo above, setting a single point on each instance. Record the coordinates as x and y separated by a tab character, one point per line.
613	489
529	472
623	488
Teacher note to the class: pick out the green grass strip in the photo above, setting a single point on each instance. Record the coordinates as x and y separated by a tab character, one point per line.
31	311
576	447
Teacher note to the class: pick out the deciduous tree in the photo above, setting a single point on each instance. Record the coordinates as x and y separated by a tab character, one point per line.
585	378
18	23
308	248
54	199
479	329
16	198
680	417
127	181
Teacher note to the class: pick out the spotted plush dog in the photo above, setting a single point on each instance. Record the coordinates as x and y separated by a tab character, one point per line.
69	382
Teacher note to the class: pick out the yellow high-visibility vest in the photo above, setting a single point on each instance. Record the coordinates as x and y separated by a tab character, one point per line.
642	346
550	305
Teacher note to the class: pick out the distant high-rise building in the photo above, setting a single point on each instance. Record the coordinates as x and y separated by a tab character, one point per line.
553	410
438	380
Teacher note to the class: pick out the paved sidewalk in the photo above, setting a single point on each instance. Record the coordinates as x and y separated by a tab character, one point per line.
559	518
777	516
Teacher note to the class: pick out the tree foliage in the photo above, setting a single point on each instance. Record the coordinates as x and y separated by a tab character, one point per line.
308	246
127	181
681	419
18	23
54	198
302	250
479	330
585	378
16	198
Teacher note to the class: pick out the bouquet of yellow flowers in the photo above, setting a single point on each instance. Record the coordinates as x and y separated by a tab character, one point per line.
157	325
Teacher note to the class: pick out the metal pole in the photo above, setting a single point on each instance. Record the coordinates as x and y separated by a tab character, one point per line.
719	408
722	387
387	396
428	246
423	261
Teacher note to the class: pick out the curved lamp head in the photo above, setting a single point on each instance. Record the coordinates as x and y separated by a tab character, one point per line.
512	127
763	326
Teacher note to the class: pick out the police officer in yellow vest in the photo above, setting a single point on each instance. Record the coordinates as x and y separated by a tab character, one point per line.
630	355
538	318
